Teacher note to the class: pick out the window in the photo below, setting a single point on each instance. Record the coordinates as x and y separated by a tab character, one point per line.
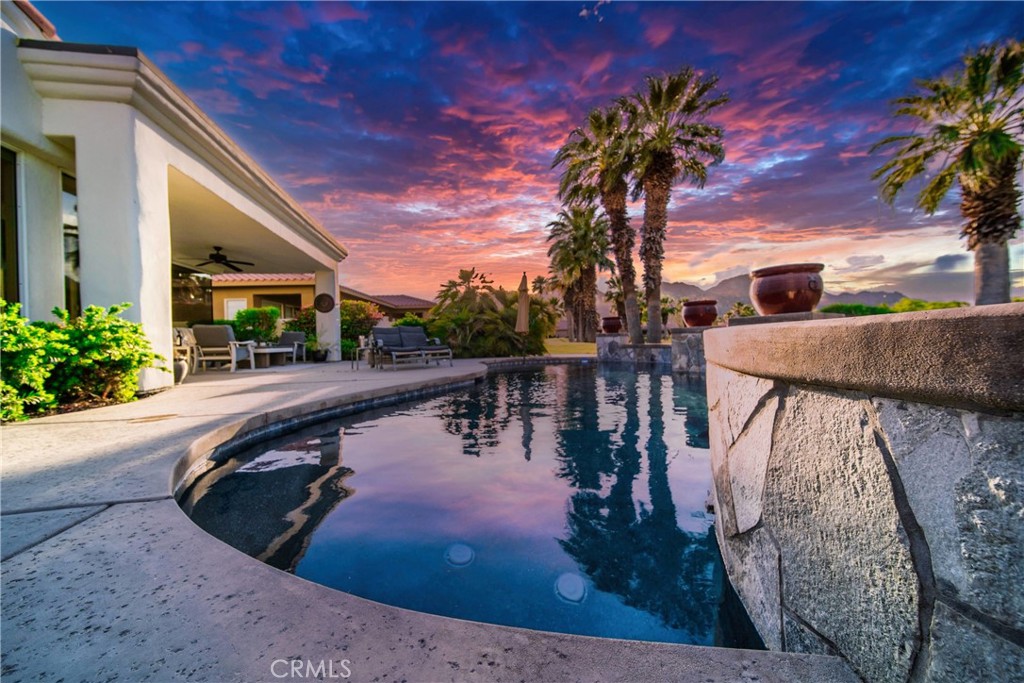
9	280
233	306
191	296
72	274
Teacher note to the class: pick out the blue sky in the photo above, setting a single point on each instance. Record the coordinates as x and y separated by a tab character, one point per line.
421	134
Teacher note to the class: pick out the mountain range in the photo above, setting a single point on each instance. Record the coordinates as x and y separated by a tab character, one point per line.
729	291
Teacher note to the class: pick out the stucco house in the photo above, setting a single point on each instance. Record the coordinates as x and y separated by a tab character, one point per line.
291	292
112	178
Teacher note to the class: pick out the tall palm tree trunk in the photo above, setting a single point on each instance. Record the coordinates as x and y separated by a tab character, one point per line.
991	273
589	301
657	187
990	207
614	203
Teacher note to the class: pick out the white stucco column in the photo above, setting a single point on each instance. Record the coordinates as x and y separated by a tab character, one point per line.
123	215
328	325
43	239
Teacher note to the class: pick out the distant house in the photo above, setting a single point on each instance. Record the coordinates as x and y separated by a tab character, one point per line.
116	187
291	292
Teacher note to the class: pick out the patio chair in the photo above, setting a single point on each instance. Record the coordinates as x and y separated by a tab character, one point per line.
387	343
296	341
185	346
432	349
217	343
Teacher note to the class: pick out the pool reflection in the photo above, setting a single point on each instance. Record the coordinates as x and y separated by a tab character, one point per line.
536	476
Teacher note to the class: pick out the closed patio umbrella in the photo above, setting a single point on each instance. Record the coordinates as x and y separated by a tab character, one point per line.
523	315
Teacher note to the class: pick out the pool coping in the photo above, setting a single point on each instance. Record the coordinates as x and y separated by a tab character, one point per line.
119	555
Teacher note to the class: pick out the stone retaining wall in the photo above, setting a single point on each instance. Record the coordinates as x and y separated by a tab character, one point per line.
615	348
869	483
685	354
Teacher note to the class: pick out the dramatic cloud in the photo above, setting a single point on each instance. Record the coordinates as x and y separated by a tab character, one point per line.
421	134
948	262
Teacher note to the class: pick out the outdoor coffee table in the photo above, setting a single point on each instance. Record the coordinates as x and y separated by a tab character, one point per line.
272	355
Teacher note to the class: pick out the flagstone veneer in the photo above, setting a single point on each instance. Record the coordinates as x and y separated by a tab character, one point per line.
869	476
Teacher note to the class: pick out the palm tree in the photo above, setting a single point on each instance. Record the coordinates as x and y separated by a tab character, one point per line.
541	285
597	162
672	141
613	295
970	129
740	310
579	247
466	289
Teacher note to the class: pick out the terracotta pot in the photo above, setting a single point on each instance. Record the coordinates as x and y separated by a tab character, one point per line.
700	313
611	324
792	288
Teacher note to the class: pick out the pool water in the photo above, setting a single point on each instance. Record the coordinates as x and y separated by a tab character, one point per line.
569	498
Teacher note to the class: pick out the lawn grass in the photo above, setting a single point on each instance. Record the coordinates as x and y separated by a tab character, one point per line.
557	345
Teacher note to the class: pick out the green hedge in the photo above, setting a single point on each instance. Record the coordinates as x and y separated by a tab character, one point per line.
92	359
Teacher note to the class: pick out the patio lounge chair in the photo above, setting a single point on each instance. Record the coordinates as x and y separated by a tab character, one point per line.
217	343
432	349
296	341
387	343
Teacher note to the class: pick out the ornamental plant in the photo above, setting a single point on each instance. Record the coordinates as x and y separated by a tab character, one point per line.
257	324
357	318
410	320
104	355
304	322
478	320
30	353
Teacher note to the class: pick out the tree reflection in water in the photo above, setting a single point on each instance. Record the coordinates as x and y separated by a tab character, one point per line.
626	547
474	467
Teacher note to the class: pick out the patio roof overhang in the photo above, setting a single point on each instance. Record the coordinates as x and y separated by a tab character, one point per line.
229	202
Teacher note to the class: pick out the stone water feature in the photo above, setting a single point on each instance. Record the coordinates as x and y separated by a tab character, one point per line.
869	484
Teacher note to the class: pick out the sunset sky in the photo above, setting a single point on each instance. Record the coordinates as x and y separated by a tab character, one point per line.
422	134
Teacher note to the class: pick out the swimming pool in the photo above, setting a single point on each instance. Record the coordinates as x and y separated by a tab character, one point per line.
569	498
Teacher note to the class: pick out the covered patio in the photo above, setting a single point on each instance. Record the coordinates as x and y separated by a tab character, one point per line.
150	182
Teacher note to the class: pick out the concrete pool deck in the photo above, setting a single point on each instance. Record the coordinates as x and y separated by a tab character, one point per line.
105	579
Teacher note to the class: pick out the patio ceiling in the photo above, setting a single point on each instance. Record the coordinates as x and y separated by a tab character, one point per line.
200	220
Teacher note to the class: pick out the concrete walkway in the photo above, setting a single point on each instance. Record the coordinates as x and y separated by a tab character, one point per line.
105	579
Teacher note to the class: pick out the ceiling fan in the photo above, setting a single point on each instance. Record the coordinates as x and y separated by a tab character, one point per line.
222	260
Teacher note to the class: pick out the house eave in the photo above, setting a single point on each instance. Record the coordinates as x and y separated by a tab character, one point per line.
71	71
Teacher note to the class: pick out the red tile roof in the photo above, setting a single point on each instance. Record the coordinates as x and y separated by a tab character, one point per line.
403	301
263	277
399	301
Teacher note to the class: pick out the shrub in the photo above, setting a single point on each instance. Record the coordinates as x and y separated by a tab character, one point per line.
29	355
410	320
904	305
482	323
109	352
305	322
357	318
907	305
856	309
257	324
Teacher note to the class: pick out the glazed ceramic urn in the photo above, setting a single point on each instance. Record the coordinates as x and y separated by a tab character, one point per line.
791	288
611	324
700	313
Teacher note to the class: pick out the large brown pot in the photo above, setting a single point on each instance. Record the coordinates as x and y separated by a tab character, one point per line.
700	313
611	324
792	288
